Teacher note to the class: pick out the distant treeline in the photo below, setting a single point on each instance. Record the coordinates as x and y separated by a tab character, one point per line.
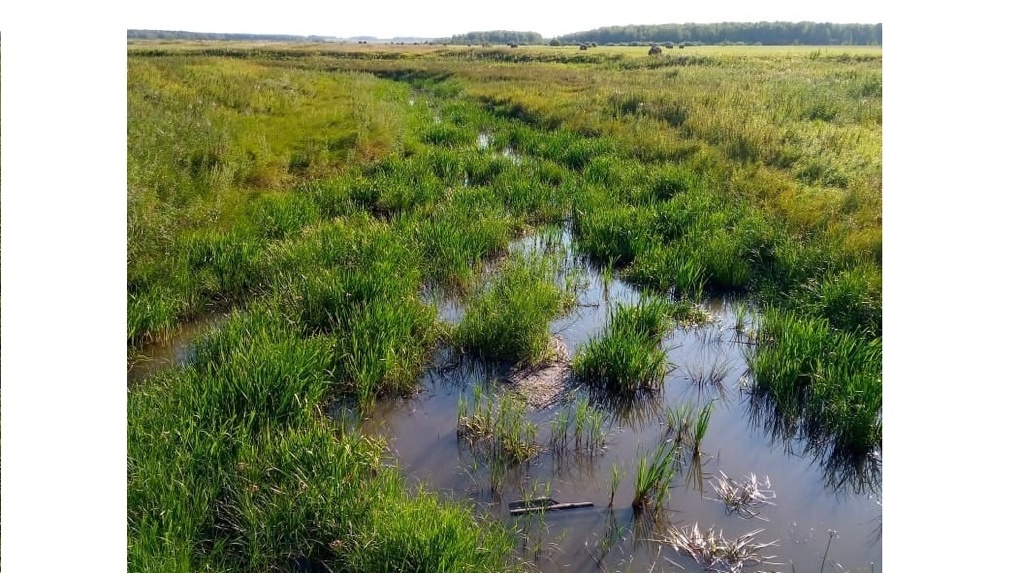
177	35
495	37
765	33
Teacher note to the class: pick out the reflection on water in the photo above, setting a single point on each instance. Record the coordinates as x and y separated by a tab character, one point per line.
177	350
816	487
842	471
632	411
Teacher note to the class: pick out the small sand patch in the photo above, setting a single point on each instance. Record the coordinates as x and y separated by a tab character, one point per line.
543	384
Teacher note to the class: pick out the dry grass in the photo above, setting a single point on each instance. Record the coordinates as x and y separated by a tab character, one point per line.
715	552
745	497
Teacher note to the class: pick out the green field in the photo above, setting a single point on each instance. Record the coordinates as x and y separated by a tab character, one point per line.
314	192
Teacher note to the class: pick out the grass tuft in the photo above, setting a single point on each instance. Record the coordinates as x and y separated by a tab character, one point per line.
628	356
507	317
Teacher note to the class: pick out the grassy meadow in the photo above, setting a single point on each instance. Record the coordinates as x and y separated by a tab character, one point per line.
314	192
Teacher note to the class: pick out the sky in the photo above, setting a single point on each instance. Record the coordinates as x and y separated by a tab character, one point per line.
387	19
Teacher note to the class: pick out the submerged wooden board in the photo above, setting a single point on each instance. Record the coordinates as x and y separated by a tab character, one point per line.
543	504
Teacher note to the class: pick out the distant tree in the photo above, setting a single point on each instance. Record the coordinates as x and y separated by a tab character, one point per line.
766	33
555	42
495	37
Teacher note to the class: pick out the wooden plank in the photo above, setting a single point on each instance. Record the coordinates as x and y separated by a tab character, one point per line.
554	507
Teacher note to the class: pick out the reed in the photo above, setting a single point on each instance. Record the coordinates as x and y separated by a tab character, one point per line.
589	426
686	425
680	420
713	376
498	428
614	483
700	428
652	478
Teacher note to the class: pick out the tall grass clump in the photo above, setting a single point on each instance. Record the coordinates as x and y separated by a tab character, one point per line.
154	313
216	495
829	380
340	196
700	428
185	427
589	431
232	466
356	283
525	195
449	135
454	240
405	185
614	482
382	347
482	169
669	269
260	373
227	265
610	233
507	317
850	300
572	150
628	356
278	216
680	421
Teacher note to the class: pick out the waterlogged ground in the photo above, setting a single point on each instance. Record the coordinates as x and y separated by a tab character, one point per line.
827	512
815	494
178	349
821	504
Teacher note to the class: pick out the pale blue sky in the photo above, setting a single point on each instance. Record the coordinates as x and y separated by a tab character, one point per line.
436	19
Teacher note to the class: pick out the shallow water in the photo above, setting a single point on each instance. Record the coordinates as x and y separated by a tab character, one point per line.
177	350
815	493
484	142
